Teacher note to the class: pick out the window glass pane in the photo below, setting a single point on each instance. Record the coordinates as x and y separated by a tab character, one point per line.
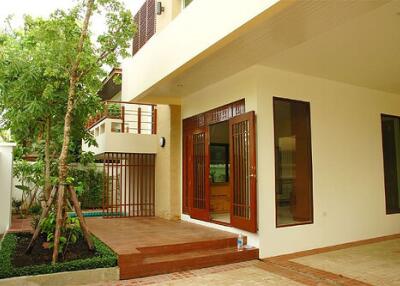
219	163
293	164
391	158
219	152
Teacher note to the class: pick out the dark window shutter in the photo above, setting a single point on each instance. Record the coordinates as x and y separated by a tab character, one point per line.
145	21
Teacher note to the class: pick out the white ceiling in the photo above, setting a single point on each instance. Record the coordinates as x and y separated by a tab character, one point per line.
364	52
352	41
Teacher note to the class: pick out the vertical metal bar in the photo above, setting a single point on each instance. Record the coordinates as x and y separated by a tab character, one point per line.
130	184
121	155
144	174
123	118
154	120
136	193
139	121
104	183
153	170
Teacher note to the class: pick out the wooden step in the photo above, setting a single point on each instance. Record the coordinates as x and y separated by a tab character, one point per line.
191	246
173	262
138	255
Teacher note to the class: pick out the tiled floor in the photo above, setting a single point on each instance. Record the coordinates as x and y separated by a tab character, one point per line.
372	262
376	263
244	273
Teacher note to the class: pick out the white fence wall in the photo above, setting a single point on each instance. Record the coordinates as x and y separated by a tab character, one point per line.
6	161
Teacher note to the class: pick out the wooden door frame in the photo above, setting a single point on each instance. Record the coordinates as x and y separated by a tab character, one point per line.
197	213
192	126
237	221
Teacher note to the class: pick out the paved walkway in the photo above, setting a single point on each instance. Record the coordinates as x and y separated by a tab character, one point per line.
20	224
244	273
372	262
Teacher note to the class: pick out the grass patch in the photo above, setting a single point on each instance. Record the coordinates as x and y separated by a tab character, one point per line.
104	257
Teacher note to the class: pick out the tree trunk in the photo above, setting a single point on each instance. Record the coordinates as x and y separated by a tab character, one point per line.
62	165
79	214
47	183
42	216
59	222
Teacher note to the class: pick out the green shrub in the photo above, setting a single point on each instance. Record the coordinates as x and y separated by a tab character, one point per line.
114	110
88	183
103	258
35	209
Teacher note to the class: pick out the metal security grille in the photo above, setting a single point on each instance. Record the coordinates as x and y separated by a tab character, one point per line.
129	185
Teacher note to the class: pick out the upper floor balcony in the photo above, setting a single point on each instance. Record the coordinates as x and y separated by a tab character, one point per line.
124	127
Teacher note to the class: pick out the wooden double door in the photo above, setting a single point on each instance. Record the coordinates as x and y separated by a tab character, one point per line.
242	171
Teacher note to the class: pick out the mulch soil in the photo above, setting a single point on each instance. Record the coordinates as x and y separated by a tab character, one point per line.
42	255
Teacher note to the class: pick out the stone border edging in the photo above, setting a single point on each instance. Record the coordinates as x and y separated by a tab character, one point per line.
72	278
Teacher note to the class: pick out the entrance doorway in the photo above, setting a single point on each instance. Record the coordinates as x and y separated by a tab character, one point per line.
220	197
219	167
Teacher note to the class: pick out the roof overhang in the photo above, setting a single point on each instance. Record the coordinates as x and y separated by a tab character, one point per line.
355	42
109	88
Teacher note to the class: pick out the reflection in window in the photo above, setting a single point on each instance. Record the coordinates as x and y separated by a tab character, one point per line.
391	158
220	192
219	163
293	171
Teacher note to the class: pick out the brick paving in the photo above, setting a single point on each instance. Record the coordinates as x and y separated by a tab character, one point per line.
20	224
244	273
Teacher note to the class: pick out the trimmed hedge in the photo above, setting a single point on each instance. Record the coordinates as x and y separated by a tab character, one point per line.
104	258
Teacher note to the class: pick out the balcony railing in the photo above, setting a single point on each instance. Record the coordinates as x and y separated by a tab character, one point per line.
127	117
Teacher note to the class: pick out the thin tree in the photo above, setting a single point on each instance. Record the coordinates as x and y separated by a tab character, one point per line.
82	61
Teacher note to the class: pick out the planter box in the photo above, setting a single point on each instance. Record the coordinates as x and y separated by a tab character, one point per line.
72	278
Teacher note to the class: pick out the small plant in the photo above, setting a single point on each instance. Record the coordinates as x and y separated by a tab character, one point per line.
35	209
70	232
17	205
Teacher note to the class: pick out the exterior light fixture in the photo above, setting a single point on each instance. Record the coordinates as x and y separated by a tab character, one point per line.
159	8
162	142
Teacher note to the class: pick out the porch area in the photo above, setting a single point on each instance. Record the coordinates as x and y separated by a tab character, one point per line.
150	245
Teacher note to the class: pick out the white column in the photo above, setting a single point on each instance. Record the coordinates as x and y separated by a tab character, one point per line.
6	163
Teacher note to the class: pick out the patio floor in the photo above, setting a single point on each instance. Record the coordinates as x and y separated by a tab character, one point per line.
370	262
20	224
150	245
124	235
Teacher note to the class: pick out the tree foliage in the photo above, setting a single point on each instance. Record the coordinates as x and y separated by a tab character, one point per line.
50	73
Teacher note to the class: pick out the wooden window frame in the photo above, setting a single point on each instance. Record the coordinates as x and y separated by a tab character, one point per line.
388	212
311	163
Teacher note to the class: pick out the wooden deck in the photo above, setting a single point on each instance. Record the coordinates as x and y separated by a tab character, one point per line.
150	246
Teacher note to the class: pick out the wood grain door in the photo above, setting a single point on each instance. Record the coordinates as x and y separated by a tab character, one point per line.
243	172
199	191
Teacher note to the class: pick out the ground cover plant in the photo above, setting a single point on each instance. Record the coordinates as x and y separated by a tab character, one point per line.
15	262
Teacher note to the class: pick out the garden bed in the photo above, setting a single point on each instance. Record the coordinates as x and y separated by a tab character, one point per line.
14	262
